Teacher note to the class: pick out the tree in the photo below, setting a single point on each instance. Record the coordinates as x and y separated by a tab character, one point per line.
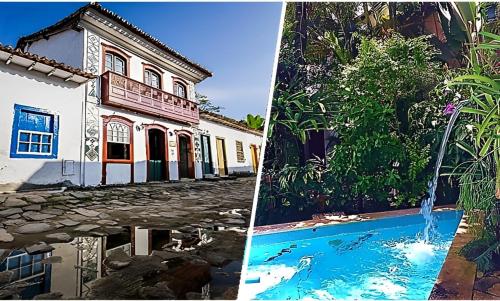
255	122
206	104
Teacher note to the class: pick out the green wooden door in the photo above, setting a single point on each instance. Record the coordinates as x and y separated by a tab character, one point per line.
155	169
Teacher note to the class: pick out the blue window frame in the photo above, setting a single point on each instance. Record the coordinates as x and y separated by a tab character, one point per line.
35	133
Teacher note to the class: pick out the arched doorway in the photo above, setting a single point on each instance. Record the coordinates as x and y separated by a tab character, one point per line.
156	153
185	154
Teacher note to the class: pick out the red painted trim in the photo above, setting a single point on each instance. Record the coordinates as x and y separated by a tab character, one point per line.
105	160
118	52
189	135
148	127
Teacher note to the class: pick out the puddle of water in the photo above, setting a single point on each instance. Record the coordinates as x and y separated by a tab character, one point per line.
72	268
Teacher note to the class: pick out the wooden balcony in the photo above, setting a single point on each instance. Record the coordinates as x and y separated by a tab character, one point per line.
121	91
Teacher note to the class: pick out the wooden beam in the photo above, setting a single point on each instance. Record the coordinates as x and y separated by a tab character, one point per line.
51	72
31	66
9	59
69	78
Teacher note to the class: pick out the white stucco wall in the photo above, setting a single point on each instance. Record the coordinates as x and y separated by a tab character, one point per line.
64	47
29	88
230	136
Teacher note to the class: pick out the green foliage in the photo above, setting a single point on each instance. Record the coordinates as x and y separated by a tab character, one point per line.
379	158
255	122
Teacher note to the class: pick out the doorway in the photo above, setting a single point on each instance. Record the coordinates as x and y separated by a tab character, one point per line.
156	155
206	155
186	165
255	157
221	157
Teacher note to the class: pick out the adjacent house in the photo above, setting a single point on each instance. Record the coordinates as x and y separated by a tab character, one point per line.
116	106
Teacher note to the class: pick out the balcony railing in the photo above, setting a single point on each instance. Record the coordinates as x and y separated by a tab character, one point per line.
121	91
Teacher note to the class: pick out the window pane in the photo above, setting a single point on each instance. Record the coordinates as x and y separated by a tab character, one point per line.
26	271
45	138
35	137
23	147
14	263
118	151
25	137
109	61
155	80
46	148
35	148
38	268
119	65
147	77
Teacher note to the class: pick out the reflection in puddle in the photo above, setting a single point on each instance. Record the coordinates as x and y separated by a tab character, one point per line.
72	268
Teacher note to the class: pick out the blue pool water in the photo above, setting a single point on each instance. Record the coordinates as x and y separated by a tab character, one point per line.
377	259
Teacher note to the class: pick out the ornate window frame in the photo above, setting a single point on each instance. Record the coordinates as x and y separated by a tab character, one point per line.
130	124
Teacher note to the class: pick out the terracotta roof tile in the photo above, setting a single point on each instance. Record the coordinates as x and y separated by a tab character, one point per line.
240	125
46	61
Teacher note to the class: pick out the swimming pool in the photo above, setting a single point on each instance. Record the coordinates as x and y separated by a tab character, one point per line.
377	259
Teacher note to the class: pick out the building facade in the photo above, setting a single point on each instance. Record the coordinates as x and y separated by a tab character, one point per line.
134	118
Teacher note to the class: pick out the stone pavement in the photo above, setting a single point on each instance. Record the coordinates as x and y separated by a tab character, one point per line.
202	204
34	221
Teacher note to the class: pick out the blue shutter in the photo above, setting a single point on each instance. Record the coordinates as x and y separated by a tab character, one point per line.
34	120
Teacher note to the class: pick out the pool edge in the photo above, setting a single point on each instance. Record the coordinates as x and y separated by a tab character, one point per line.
320	222
457	276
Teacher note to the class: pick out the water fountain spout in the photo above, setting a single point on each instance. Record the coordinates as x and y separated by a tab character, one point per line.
428	203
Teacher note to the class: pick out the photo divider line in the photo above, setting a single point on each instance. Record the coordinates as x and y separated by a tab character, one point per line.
261	155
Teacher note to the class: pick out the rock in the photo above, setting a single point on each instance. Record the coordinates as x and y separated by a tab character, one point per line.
14	202
12	222
69	222
104	216
2	199
216	259
167	255
53	211
52	260
61	198
79	195
5	236
33	228
36	216
194	296
39	248
107	222
234	221
35	199
10	211
86	212
15	216
160	291
34	207
86	228
5	277
117	259
49	296
60	236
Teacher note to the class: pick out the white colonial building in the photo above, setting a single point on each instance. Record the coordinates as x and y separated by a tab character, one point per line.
117	107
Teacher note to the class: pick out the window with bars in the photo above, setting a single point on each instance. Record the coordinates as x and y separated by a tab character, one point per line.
34	133
118	141
240	155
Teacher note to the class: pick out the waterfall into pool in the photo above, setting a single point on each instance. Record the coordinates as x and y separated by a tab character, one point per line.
428	203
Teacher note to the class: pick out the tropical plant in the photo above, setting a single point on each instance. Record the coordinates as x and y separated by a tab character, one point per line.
255	122
206	104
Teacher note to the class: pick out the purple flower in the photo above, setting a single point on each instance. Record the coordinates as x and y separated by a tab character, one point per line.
450	108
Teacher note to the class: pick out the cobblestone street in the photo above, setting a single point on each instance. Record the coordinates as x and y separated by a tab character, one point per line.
204	227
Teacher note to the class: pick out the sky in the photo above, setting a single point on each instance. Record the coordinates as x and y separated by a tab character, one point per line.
236	41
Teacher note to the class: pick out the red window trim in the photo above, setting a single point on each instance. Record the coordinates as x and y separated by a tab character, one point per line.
178	80
154	69
107	119
148	127
118	52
